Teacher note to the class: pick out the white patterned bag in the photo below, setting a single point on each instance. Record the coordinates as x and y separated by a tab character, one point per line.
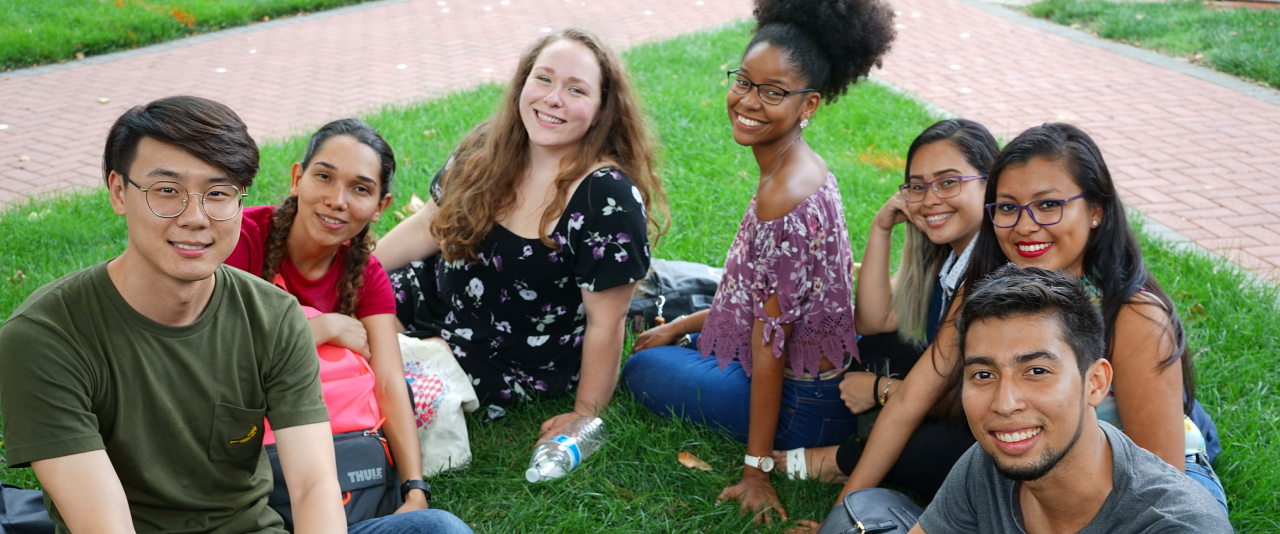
442	396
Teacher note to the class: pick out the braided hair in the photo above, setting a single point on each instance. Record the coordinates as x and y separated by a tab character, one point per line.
361	246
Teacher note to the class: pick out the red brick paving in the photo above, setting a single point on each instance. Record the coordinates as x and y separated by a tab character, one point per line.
1195	156
295	77
1190	154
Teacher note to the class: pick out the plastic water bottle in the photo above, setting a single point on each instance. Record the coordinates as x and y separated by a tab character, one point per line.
561	454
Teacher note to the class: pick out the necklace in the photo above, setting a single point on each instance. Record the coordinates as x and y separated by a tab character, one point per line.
774	168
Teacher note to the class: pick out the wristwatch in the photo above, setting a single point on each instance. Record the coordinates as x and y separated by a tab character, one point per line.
763	463
413	484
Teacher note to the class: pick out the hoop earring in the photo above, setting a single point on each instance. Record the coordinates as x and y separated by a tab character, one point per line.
804	123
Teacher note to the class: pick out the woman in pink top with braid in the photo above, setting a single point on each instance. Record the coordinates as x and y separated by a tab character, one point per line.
781	325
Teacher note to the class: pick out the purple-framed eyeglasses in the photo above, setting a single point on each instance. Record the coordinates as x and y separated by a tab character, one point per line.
1043	212
945	187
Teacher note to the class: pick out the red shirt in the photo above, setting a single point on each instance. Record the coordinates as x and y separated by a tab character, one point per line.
373	298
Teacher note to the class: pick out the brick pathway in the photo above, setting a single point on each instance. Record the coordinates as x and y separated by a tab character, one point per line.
1195	156
295	77
1192	155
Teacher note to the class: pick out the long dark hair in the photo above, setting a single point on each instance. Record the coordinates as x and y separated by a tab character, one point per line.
361	246
922	258
1112	255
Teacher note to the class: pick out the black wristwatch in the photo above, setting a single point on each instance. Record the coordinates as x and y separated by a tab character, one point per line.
413	484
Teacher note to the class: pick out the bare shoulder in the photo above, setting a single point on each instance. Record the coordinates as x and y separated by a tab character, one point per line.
1145	305
791	186
1144	325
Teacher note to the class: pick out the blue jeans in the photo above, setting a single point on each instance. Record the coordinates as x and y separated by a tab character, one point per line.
678	382
1199	470
416	522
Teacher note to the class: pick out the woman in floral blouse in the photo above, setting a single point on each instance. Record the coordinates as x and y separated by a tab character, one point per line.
536	233
781	326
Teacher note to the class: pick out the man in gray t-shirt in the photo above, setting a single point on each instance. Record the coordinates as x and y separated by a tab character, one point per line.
1032	346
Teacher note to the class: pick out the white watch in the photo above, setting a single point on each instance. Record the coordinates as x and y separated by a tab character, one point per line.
763	463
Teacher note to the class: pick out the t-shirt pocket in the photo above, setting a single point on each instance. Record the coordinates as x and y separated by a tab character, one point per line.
236	434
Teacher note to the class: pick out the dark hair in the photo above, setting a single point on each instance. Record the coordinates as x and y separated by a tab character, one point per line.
1112	255
921	258
973	140
1013	291
361	246
832	42
201	127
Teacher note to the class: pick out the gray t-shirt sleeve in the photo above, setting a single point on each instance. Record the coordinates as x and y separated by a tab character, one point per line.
1150	496
952	509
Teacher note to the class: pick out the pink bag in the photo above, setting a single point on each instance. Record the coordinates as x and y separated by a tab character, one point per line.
347	382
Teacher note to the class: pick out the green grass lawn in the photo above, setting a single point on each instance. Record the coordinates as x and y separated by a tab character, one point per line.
634	484
1243	42
34	32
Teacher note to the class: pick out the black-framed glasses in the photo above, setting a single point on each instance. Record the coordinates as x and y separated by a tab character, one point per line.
1043	212
169	199
769	93
942	188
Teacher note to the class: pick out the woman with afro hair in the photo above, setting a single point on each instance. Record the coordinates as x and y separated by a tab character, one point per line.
781	325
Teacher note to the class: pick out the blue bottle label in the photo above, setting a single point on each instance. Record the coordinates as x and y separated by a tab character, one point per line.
572	446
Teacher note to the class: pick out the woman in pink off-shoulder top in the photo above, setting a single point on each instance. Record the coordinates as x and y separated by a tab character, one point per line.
781	325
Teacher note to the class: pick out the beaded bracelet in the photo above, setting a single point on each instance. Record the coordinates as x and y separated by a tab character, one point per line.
884	396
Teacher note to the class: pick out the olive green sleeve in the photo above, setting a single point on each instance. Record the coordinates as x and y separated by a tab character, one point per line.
292	380
46	394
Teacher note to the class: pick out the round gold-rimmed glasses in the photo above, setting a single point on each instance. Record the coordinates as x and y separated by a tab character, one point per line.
169	199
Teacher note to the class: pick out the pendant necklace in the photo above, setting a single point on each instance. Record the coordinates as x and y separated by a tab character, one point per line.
776	163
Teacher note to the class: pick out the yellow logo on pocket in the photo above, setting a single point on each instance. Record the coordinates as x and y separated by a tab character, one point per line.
252	432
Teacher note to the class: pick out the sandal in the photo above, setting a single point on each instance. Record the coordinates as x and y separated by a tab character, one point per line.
797	465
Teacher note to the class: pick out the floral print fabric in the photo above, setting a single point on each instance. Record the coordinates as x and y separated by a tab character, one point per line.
515	319
804	258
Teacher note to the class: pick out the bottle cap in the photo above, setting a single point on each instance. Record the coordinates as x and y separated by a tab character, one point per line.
532	475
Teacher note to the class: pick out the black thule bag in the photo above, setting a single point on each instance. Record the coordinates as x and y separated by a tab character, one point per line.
22	511
369	482
672	289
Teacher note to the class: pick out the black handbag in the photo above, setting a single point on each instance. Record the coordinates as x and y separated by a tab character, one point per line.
369	482
22	511
872	511
672	289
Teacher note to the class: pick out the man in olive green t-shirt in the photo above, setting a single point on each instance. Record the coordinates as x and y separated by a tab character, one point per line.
137	388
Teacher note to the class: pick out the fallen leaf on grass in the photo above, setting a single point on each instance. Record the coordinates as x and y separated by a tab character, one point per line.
690	461
414	205
881	159
17	278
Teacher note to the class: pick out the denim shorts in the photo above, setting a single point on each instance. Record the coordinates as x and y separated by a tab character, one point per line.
678	382
1199	470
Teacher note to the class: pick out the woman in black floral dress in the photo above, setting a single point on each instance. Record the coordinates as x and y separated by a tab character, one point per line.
526	256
